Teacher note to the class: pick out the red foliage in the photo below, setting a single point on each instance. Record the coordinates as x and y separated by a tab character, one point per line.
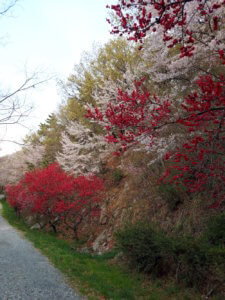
53	194
199	164
138	18
86	194
132	116
16	196
47	187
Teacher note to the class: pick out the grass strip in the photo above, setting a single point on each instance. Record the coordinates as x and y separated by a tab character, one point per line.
95	275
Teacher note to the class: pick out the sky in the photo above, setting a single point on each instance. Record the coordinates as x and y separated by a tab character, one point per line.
48	37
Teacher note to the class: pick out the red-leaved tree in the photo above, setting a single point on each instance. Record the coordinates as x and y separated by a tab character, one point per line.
83	205
199	163
54	196
137	116
176	20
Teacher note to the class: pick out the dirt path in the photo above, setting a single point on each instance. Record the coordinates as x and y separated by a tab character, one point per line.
25	274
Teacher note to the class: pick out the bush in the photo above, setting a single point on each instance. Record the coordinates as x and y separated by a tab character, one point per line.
56	197
193	261
146	248
215	230
189	260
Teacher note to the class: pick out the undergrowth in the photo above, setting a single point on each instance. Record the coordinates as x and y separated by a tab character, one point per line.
197	262
97	276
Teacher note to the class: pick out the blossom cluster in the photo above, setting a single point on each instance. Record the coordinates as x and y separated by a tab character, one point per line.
14	166
194	29
82	150
55	197
138	18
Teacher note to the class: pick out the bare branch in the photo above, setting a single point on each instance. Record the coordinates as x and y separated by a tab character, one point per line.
4	10
14	142
23	87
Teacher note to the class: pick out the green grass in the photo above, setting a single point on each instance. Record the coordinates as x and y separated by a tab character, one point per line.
93	275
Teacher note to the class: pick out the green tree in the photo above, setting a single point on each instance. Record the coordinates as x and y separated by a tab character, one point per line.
109	62
49	134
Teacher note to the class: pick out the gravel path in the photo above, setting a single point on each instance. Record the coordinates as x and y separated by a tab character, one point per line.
25	274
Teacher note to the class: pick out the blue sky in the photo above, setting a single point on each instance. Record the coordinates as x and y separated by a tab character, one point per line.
47	35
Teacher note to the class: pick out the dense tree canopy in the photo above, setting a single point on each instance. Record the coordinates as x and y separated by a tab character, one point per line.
195	32
162	91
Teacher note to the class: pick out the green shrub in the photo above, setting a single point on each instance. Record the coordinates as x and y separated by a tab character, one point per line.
147	248
215	230
191	261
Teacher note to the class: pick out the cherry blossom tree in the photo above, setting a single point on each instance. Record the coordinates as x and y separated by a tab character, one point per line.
180	32
181	40
82	150
168	73
175	21
14	166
